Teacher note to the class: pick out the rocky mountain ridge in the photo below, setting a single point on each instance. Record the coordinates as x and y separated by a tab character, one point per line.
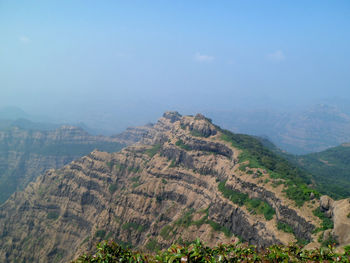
185	179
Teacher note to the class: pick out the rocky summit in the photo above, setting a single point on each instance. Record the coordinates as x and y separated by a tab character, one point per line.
185	179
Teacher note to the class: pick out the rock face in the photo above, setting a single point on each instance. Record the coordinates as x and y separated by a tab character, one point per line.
339	211
175	185
25	154
341	219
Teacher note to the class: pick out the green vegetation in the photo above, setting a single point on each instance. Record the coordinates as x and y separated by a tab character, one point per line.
52	215
164	181
101	233
152	245
219	228
327	223
254	205
198	252
154	150
166	232
134	169
182	145
119	167
172	164
112	188
136	181
132	225
259	156
196	133
284	227
187	220
330	170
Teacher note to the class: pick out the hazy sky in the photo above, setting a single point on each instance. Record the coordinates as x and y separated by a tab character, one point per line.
87	59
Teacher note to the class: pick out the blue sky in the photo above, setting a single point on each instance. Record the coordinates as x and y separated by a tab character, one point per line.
78	59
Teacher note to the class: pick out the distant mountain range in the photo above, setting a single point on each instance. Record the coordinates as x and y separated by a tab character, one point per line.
314	129
27	149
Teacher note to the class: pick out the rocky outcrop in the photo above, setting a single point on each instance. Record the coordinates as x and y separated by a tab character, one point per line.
341	219
339	212
161	190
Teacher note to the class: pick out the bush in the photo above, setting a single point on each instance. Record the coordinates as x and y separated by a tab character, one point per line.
284	227
52	215
182	145
327	223
198	252
153	151
254	205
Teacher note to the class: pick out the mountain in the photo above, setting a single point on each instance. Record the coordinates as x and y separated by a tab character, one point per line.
27	150
311	130
186	178
13	113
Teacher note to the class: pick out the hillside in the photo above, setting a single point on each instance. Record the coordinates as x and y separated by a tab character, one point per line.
27	150
330	170
185	179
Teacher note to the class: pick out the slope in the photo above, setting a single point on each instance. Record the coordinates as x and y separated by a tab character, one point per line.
185	179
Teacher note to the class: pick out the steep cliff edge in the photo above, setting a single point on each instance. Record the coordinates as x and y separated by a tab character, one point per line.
185	179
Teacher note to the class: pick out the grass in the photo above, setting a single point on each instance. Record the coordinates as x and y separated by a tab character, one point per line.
182	145
154	150
254	205
330	170
327	223
187	220
112	188
258	156
101	233
166	232
132	225
52	215
196	133
284	227
152	245
220	228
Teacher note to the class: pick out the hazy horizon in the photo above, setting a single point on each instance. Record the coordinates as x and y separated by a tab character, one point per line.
113	61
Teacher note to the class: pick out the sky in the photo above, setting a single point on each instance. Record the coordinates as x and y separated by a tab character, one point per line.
126	62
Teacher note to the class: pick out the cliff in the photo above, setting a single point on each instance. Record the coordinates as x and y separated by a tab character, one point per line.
185	179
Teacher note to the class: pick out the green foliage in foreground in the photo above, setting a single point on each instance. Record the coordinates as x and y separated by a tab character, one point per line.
197	252
260	156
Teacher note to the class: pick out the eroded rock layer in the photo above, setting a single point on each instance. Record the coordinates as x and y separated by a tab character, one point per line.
178	184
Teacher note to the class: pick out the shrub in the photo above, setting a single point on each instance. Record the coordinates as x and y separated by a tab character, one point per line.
284	227
182	145
254	205
112	188
327	223
101	233
153	151
198	252
52	215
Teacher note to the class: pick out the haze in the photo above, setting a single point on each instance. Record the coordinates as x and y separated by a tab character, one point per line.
112	64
